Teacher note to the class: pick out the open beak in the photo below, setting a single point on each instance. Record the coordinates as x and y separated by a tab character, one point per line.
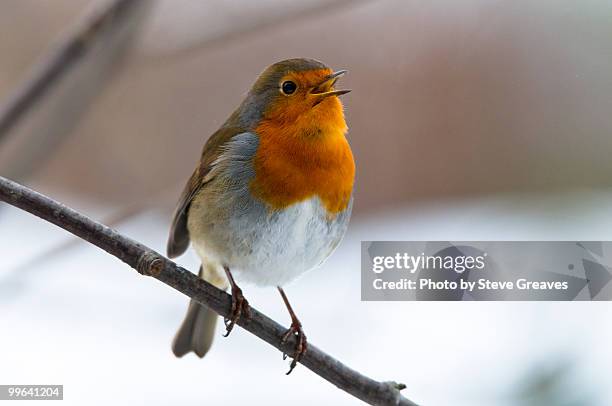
326	88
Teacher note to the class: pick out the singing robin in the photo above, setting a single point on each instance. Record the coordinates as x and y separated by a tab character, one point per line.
271	196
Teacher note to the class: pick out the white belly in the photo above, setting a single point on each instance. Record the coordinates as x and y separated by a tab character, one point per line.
271	249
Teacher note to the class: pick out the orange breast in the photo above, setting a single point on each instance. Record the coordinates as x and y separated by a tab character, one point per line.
305	158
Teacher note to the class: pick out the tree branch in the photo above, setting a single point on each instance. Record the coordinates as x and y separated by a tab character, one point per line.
150	263
60	60
57	90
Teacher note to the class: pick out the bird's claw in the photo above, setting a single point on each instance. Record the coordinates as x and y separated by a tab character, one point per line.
240	306
301	346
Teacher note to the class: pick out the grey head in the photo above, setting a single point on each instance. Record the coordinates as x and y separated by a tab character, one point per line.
268	87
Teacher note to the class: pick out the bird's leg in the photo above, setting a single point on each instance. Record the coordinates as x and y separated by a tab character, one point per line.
296	328
239	304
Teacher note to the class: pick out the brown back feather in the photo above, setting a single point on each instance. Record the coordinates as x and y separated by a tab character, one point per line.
178	241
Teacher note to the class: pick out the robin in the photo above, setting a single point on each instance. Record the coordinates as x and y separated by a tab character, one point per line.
271	196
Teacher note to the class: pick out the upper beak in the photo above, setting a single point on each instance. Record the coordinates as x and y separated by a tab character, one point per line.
325	88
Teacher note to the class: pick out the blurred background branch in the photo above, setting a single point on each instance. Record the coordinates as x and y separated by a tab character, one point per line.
234	20
98	36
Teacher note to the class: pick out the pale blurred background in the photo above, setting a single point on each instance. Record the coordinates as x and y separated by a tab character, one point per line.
469	120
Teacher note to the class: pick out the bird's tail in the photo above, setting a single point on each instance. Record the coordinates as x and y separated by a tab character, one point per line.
197	330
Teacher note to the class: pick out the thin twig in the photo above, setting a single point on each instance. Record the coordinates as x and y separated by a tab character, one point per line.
150	263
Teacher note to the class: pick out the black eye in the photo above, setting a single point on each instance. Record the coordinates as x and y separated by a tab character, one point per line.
288	87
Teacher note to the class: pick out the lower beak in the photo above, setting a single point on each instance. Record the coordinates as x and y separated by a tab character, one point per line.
325	88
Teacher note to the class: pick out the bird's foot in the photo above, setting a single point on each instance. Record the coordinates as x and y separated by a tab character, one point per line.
302	343
240	307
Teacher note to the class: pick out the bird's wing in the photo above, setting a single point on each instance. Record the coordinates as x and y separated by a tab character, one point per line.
178	241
